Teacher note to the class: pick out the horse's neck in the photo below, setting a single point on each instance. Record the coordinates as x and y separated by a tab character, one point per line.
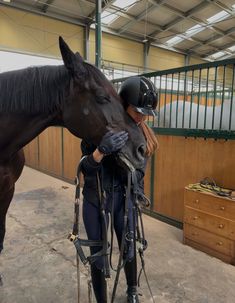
20	130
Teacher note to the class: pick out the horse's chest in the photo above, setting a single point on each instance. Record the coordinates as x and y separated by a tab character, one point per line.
6	179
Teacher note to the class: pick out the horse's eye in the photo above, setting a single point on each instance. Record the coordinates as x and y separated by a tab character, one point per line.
102	99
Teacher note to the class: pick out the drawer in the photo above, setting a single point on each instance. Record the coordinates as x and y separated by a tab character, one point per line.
214	224
218	206
209	251
205	238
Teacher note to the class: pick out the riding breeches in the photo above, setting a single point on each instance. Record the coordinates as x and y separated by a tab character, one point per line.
114	206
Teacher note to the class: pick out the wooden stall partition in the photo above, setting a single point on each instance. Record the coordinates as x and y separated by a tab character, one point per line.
50	151
168	169
32	153
72	154
147	179
181	161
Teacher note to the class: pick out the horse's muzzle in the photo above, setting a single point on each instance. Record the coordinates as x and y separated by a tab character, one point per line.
141	151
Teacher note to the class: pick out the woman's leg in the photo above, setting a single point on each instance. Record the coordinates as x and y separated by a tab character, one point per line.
131	264
93	225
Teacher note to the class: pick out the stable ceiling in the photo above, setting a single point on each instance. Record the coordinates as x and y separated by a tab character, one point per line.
205	29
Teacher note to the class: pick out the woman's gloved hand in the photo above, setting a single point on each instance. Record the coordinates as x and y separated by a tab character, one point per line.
112	142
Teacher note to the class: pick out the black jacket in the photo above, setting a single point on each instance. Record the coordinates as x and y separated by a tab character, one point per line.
111	174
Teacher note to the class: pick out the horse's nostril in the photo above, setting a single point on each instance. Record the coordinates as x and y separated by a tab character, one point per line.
141	150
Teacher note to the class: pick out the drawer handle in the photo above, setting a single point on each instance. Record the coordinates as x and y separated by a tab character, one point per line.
196	201
222	208
195	217
219	243
221	226
195	234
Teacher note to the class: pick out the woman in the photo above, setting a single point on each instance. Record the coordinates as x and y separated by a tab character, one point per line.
139	100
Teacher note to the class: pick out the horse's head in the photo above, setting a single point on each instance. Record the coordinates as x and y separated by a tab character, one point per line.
94	107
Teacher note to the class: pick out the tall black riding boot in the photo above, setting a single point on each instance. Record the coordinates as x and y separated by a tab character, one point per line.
99	284
131	278
132	294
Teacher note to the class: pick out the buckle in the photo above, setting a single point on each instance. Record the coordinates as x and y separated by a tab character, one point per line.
72	237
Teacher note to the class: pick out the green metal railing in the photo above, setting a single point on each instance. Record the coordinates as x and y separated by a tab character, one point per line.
197	100
194	101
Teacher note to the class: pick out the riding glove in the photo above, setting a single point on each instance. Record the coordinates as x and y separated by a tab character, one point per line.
112	142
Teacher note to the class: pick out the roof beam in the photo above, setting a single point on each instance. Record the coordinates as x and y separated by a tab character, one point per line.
47	5
35	11
221	6
224	48
189	15
212	39
154	5
105	4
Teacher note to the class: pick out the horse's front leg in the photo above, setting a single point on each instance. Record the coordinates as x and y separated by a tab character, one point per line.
9	173
5	200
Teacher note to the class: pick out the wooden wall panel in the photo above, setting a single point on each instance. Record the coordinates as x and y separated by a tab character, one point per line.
181	161
72	154
31	153
147	180
178	162
50	151
19	29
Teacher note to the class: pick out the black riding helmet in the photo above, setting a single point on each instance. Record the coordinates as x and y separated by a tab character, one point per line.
141	93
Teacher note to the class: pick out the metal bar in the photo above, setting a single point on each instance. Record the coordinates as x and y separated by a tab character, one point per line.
231	105
185	88
98	34
192	67
172	86
191	102
207	81
160	92
203	133
222	105
199	91
177	100
202	85
47	5
164	119
186	68
158	106
215	94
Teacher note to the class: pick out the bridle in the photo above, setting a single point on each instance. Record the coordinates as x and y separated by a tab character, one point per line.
138	234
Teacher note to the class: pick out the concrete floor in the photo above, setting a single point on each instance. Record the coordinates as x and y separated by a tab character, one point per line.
38	264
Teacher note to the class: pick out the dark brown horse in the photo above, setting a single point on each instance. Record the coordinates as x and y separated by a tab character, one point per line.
75	95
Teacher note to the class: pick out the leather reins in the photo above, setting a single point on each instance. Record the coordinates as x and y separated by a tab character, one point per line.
138	232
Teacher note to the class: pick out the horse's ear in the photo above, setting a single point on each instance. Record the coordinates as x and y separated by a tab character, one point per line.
73	62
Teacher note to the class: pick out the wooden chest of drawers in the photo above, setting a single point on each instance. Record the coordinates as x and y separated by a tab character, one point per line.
209	224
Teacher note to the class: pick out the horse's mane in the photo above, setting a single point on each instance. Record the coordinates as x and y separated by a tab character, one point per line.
34	89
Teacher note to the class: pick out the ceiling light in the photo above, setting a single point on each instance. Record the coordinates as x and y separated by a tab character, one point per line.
7	1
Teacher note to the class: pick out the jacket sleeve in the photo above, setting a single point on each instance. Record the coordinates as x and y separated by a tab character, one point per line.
88	164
